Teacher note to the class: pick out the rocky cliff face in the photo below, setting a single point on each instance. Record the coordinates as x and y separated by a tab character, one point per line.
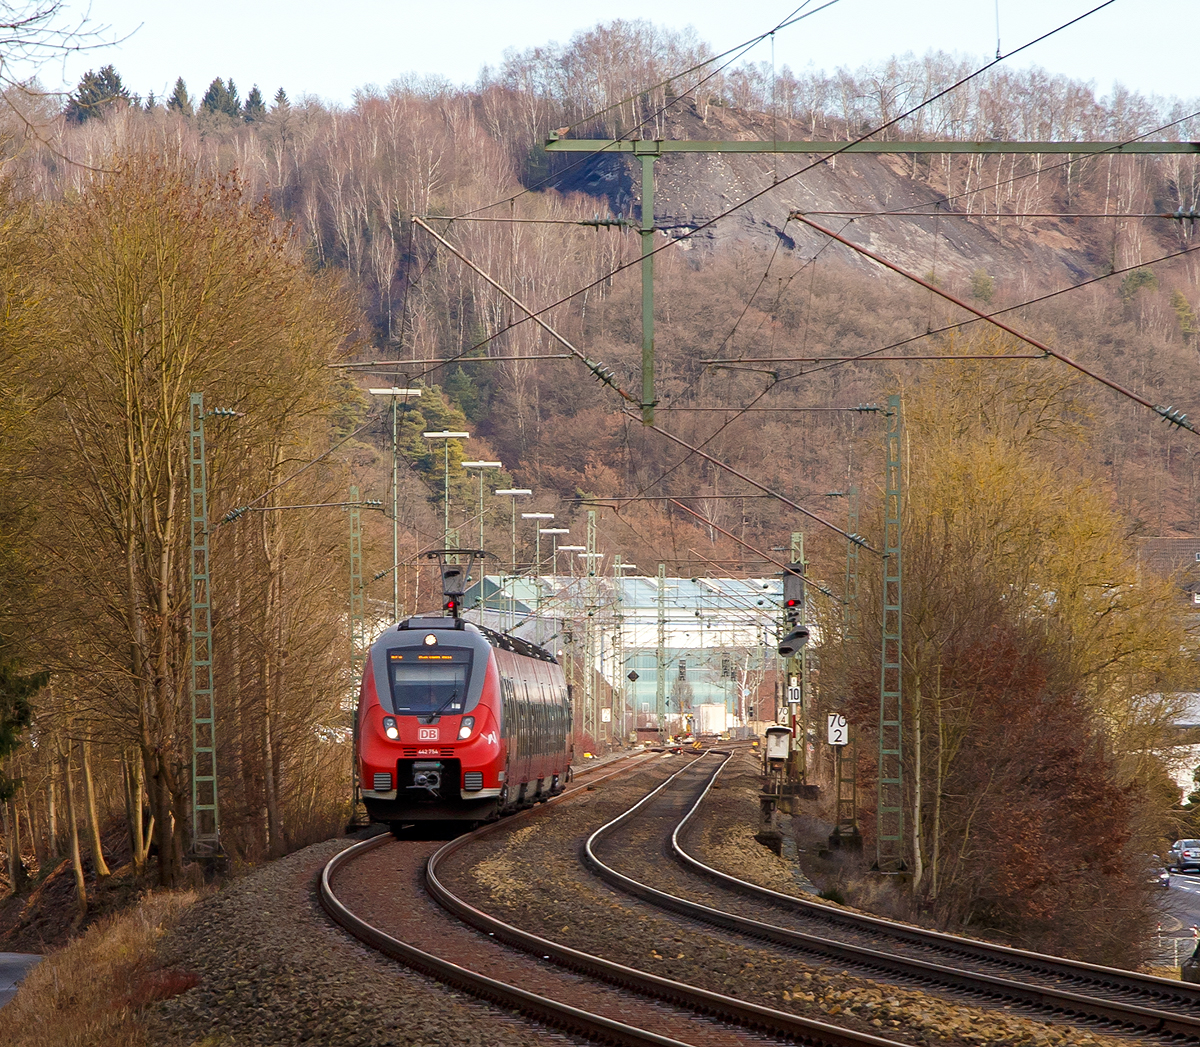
951	230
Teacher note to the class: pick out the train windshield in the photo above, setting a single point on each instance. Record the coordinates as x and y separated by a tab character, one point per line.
428	682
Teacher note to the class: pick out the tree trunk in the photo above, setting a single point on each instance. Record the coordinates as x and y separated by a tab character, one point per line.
917	829
35	837
169	859
93	818
937	796
272	541
237	770
52	815
274	825
17	876
139	838
73	824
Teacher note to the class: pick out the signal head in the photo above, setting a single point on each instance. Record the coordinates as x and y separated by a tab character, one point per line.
794	641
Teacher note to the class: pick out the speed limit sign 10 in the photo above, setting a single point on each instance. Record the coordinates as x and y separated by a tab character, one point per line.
839	730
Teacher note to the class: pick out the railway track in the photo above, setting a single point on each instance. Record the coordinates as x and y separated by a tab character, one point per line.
1100	996
600	999
559	987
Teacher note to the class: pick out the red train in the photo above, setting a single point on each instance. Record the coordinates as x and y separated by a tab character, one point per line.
456	722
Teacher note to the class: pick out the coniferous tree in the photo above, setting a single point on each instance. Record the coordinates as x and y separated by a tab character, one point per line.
222	97
281	101
15	712
255	108
180	101
96	93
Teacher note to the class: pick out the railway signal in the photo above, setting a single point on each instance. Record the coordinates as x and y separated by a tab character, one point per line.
793	593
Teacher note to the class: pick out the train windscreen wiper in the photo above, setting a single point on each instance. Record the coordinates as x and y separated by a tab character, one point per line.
441	708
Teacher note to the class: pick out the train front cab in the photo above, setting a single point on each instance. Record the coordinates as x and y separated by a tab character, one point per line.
429	742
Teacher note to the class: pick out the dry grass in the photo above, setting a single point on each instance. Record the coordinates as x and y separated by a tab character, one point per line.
92	991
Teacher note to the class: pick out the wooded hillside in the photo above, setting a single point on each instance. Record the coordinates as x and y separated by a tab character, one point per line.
251	250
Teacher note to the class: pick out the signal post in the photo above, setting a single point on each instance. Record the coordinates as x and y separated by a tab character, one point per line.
792	641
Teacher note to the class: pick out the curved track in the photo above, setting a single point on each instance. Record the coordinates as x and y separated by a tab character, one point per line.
1039	986
1158	1007
610	1003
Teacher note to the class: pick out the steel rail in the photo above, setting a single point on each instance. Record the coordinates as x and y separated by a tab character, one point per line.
553	1013
1166	989
716	1005
560	1015
1057	1000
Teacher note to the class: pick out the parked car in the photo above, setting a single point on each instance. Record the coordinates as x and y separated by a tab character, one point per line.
1156	875
1184	855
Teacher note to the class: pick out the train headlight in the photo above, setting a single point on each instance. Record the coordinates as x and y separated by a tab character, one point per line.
465	727
390	728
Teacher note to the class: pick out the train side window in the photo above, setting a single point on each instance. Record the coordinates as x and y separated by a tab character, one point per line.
504	713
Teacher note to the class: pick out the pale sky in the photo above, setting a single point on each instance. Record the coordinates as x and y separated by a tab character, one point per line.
329	50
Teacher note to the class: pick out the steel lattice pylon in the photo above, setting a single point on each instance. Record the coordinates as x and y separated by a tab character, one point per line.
797	672
206	821
618	674
845	773
358	634
889	829
590	724
358	641
660	668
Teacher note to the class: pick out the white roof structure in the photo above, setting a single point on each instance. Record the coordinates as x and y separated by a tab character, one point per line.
718	634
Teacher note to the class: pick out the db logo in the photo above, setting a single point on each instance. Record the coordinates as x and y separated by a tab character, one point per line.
427	734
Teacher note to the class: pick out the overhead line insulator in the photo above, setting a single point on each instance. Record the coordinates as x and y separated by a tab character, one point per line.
1174	416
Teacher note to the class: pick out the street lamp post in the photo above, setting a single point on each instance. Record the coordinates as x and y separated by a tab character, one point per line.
447	436
537	555
570	549
515	492
393	392
555	532
481	466
537	541
619	677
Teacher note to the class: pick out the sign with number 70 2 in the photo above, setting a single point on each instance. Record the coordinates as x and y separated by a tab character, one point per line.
839	730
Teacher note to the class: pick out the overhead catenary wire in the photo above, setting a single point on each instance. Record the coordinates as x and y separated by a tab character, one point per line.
733	54
857	539
742	203
896	211
1169	414
957	325
1179	215
728	534
833	153
606	376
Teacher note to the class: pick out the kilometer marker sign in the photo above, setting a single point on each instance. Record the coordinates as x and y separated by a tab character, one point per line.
839	730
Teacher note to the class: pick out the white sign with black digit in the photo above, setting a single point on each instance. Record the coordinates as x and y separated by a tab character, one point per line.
839	730
793	695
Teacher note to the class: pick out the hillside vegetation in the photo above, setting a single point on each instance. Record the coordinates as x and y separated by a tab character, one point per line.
251	250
